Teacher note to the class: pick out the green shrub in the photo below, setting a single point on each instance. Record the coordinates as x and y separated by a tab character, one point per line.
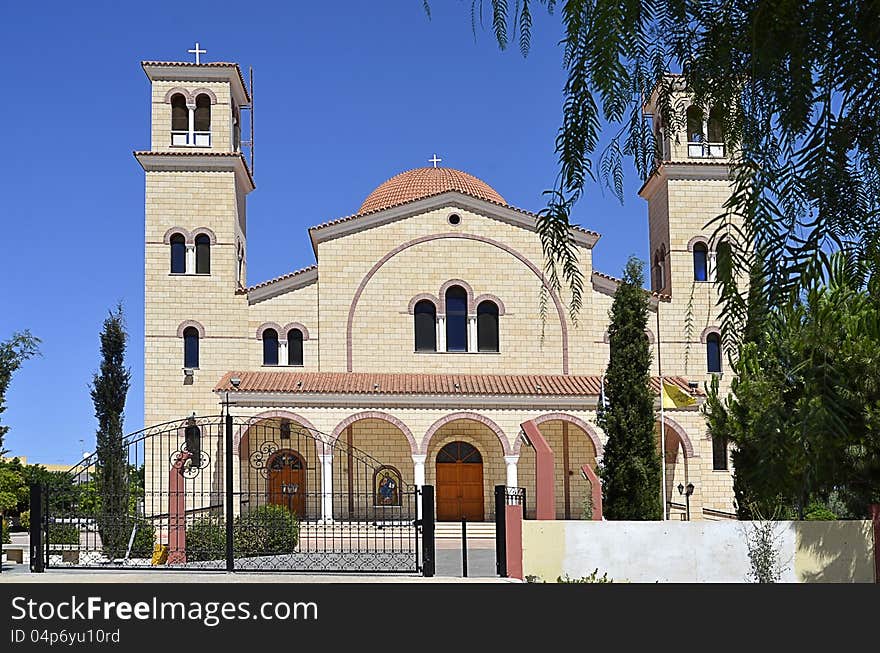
63	534
24	520
592	578
144	539
5	530
267	530
819	512
205	539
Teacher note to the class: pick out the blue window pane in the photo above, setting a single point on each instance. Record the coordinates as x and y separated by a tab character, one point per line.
713	353
700	273
190	347
456	319
178	254
270	347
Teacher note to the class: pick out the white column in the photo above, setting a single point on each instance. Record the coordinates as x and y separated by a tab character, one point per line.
326	487
190	258
441	333
472	333
191	136
418	478
511	470
282	350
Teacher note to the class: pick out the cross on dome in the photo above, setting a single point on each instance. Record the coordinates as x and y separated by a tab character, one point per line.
435	160
197	52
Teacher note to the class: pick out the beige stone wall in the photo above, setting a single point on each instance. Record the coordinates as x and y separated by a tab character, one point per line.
300	306
221	117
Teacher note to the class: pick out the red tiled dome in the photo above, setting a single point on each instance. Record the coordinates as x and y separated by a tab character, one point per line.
423	182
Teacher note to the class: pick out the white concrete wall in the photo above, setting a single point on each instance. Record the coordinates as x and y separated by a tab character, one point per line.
684	552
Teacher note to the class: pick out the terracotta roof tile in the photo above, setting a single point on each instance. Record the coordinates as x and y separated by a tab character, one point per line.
235	155
281	278
208	64
424	182
368	383
661	296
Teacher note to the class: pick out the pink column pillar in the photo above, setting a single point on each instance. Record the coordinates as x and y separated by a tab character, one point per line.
596	486
177	510
513	535
875	519
545	488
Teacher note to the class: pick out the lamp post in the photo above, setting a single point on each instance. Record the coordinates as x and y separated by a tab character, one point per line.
687	492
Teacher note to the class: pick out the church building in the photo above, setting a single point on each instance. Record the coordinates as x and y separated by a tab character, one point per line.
416	336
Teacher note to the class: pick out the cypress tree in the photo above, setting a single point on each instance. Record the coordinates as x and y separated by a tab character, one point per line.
109	389
630	470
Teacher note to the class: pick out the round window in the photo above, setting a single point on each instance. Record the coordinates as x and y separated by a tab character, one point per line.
455	218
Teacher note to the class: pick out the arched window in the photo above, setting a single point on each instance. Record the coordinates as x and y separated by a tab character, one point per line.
179	113
294	347
459	452
178	254
695	124
270	347
713	352
487	326
456	319
723	260
425	324
202	118
719	452
715	126
701	254
203	254
190	347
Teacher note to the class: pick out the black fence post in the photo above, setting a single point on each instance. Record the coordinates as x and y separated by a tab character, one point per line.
230	556
501	530
428	549
464	548
36	528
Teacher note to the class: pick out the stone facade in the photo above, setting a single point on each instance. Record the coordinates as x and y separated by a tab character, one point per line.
355	310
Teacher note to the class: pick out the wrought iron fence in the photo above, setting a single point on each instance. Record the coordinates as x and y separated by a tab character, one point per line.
505	496
234	493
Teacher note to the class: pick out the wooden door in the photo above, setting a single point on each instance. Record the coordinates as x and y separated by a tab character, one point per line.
287	481
459	483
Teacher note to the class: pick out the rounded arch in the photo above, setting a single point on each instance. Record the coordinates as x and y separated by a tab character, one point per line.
269	325
557	302
204	91
586	427
488	297
465	415
290	326
697	239
187	235
467	289
183	326
426	296
207	232
682	435
375	414
241	433
190	98
707	332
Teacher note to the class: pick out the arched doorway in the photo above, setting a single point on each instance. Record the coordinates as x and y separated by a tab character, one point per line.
287	481
459	482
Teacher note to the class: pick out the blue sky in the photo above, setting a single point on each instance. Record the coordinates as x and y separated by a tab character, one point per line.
347	95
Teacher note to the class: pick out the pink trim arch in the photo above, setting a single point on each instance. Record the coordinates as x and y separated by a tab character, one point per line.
290	326
187	235
375	414
456	282
490	298
268	325
204	230
474	417
707	332
697	239
571	419
241	433
682	436
411	308
183	326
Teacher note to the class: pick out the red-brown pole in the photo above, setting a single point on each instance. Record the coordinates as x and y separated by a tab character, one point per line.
544	483
875	519
177	510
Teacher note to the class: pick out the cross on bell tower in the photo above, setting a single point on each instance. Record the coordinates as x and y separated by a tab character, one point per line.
435	160
197	52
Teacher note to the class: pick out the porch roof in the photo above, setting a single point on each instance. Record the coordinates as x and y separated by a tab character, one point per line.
375	384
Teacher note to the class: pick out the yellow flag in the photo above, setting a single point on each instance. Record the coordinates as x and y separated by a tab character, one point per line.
674	397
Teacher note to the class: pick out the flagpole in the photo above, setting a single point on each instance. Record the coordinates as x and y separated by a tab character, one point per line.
662	417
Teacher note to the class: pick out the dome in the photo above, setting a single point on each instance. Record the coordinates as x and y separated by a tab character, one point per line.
423	182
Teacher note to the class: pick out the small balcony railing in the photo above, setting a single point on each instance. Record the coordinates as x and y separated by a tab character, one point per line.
705	150
193	139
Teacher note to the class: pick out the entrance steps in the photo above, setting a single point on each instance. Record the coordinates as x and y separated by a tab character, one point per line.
451	530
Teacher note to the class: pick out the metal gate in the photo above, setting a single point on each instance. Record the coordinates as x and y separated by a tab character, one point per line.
234	493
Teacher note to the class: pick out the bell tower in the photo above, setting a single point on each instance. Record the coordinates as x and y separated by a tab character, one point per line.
197	183
686	191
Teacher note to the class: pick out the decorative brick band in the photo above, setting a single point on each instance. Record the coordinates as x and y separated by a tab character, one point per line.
268	325
489	297
375	414
682	436
187	235
467	289
205	231
411	308
417	241
183	326
240	440
571	419
290	326
204	91
474	417
181	91
709	330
